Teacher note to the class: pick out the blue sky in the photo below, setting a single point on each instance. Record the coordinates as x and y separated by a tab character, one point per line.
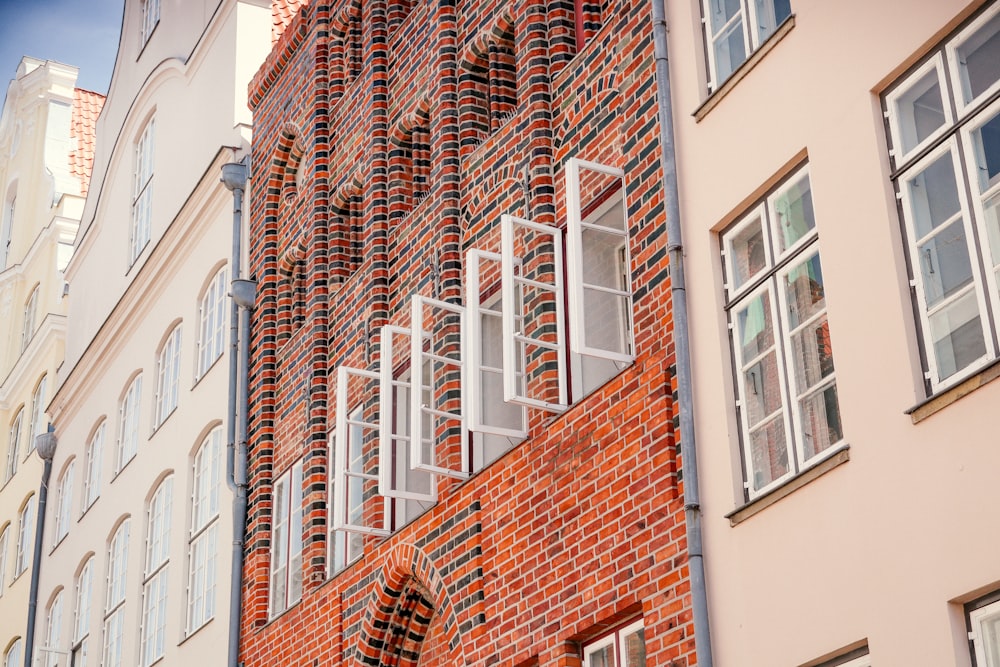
83	33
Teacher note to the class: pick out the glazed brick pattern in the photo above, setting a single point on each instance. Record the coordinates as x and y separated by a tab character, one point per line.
373	173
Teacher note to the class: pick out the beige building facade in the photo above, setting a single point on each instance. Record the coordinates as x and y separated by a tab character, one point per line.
140	574
839	168
46	151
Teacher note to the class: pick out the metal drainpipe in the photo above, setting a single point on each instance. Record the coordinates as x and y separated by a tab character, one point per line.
234	177
678	293
45	445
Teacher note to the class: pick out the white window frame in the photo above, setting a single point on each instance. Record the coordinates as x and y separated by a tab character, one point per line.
7	224
211	315
206	473
128	424
954	138
12	658
30	314
4	546
25	536
64	503
53	630
142	190
114	608
95	461
387	424
976	618
288	483
168	368
150	19
343	474
39	421
514	315
769	279
615	639
475	311
752	39
421	307
14	445
84	599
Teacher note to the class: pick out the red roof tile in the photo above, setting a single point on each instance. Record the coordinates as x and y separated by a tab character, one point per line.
282	13
86	108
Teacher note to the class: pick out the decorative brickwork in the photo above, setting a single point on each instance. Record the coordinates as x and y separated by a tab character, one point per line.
389	138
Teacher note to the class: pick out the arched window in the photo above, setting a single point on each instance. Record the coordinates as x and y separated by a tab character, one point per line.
13	446
95	459
128	424
204	529
212	319
154	587
81	624
39	422
53	630
25	536
12	658
30	315
168	369
64	501
4	545
114	608
142	186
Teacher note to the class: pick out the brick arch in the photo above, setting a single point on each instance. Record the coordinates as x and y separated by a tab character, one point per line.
408	594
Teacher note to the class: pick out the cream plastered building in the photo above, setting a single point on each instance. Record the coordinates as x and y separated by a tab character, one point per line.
46	152
838	166
137	550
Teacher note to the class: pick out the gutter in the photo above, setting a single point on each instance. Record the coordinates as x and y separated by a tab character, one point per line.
678	294
243	295
45	445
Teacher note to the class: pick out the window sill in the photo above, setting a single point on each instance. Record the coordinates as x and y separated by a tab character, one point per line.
205	372
163	421
272	619
946	397
741	72
760	503
192	633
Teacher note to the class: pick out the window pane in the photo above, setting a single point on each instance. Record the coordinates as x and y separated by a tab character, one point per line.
820	414
919	111
933	195
793	213
978	56
986	144
768	453
602	657
754	327
763	392
991	208
770	14
730	50
945	264
634	647
804	291
989	635
747	253
720	12
957	335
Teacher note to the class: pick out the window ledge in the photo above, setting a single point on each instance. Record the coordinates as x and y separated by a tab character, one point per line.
741	72
191	633
760	503
943	399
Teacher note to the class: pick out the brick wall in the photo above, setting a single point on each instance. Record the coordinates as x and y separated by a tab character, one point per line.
389	137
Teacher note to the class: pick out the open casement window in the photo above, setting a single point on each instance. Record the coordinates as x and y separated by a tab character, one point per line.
495	424
438	366
286	541
943	123
782	351
355	474
533	313
736	28
983	622
624	648
599	274
414	490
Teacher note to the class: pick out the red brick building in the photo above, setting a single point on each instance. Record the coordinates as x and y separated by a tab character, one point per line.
457	226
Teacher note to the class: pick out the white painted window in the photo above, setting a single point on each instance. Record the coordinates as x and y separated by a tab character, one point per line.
154	586
625	647
150	17
53	631
286	540
128	424
204	530
782	351
81	625
39	422
12	658
496	425
212	316
30	315
114	608
7	230
736	28
95	459
64	502
14	446
984	632
168	375
142	189
414	490
4	546
25	536
946	162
